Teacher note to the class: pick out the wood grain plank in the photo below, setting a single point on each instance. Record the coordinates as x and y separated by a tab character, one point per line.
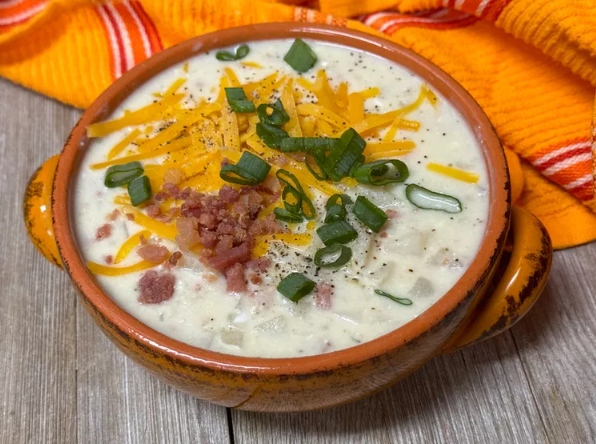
478	395
557	345
37	311
118	402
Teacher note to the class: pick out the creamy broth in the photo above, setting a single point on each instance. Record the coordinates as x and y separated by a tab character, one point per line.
420	255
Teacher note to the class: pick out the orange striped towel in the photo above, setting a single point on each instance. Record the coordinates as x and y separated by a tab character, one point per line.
531	64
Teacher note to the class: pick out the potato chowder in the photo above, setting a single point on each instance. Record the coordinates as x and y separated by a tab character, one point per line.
280	199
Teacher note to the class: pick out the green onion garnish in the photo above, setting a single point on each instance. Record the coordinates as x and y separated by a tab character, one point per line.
402	301
118	175
139	190
430	200
300	56
271	135
341	253
278	116
295	144
375	173
308	209
226	56
369	214
250	170
285	216
335	213
341	160
238	101
319	156
338	199
293	207
295	286
339	232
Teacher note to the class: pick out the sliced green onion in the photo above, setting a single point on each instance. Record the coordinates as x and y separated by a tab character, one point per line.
296	207
238	101
250	170
301	57
297	144
339	232
369	214
319	175
271	135
118	175
285	216
335	213
341	160
285	177
139	190
295	286
430	200
226	56
402	301
341	253
376	173
338	199
278	116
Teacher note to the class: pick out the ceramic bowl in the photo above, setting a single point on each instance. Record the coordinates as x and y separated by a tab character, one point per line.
493	293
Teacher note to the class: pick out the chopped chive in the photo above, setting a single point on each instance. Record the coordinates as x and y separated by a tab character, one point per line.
139	190
295	286
226	56
341	160
297	144
376	173
285	216
301	57
402	301
319	156
341	253
238	101
308	209
319	175
369	214
292	207
338	199
250	170
271	135
335	213
430	200
118	175
339	232
278	116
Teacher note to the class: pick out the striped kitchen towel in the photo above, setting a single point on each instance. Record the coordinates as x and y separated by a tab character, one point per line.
531	64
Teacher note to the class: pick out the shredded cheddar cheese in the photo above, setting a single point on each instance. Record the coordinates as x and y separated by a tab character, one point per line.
129	245
106	270
455	173
262	242
154	226
119	147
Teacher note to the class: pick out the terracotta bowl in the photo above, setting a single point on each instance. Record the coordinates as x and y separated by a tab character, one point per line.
493	293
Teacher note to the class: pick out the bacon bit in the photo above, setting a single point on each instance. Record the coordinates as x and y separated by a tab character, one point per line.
142	239
113	215
153	253
256	279
272	184
221	262
228	194
209	239
173	176
109	259
175	258
130	217
392	214
188	233
208	220
103	232
160	196
323	291
266	226
261	264
153	210
235	278
224	244
156	288
383	234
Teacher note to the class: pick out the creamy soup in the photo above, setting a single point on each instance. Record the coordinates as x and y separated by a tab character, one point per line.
252	268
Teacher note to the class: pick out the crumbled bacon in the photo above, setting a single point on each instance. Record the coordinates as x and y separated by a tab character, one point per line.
109	259
235	278
222	261
228	194
142	239
266	226
113	215
153	210
392	214
130	217
160	196
261	264
256	279
153	253
103	232
188	234
156	288
323	291
208	220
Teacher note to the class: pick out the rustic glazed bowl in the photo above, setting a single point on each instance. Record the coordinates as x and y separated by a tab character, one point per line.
496	290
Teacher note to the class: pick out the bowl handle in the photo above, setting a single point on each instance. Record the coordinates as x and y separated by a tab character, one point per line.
37	206
520	278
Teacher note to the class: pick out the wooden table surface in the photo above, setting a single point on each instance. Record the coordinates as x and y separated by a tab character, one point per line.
62	381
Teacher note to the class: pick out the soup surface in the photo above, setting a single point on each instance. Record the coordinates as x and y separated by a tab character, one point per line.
178	244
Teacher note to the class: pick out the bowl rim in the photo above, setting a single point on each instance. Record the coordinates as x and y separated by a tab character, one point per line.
468	284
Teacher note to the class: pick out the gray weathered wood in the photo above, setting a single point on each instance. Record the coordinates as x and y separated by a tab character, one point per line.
64	382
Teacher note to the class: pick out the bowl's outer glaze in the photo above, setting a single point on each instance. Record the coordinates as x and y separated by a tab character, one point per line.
297	383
